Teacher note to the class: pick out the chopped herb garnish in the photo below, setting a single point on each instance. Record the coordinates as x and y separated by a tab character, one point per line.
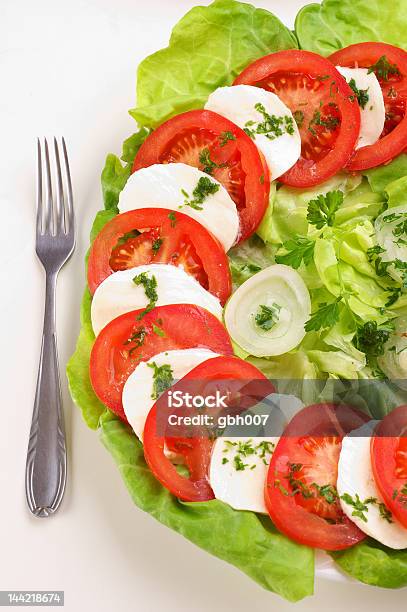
299	249
208	165
361	94
326	316
203	189
267	316
162	379
373	251
137	338
321	210
328	121
308	491
238	463
271	127
150	290
370	338
299	117
400	495
158	331
383	69
224	460
252	268
225	137
172	217
128	236
156	245
394	296
245	448
361	507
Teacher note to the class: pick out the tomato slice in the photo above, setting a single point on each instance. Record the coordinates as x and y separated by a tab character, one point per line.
197	138
164	236
388	449
389	63
300	491
126	341
321	101
197	450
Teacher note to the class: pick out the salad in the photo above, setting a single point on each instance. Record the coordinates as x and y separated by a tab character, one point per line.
255	229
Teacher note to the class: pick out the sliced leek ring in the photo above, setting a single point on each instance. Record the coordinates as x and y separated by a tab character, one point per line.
281	289
394	247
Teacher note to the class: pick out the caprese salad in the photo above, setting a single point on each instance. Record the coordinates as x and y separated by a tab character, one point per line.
264	236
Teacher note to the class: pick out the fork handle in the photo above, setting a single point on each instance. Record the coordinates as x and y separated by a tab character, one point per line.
46	456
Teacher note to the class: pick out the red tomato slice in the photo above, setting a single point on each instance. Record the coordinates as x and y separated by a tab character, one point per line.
393	139
388	449
300	492
125	342
214	144
327	115
166	237
196	450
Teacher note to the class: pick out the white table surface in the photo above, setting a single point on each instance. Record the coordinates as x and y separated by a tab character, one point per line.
69	68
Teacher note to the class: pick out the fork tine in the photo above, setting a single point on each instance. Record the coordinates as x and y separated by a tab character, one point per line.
70	225
49	221
39	222
60	205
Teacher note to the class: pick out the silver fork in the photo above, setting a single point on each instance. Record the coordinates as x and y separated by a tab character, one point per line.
55	241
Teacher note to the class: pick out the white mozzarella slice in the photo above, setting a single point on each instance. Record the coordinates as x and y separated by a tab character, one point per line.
138	389
238	479
238	103
372	116
118	293
243	488
165	185
355	478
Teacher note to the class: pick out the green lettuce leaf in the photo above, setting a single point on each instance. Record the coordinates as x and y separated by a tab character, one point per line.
244	539
114	174
286	215
208	48
381	176
77	369
248	258
324	28
374	564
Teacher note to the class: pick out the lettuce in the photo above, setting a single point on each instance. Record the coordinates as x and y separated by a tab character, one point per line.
380	177
324	28
244	539
287	211
208	48
374	564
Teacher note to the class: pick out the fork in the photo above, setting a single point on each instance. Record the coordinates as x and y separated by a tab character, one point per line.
46	465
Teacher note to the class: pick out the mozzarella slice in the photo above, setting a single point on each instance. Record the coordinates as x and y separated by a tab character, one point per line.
138	388
162	186
355	478
238	103
240	481
237	475
372	116
118	293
